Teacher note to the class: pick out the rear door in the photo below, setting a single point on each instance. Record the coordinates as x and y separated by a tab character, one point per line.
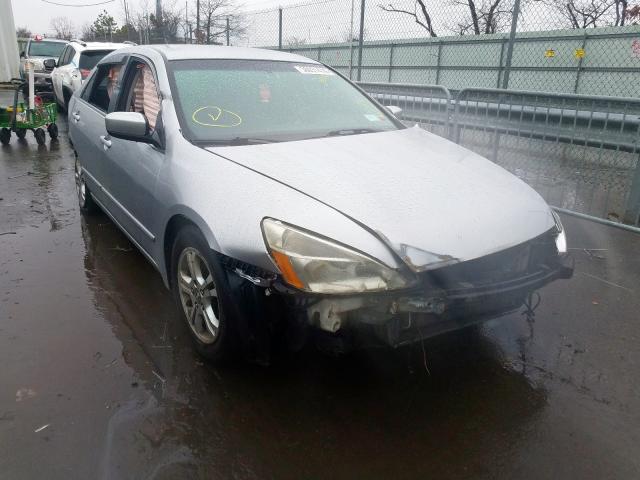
134	166
87	127
56	77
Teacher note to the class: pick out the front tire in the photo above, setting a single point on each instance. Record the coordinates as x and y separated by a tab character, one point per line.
202	294
5	136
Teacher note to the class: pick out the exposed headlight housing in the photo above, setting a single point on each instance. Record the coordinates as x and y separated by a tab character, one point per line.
316	264
561	238
38	65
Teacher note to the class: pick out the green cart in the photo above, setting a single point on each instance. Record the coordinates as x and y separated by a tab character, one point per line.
18	118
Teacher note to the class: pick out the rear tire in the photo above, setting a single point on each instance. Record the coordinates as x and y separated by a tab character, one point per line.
66	96
5	136
85	200
202	294
53	131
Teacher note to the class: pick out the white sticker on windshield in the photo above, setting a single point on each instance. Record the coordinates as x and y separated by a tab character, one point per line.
372	117
313	70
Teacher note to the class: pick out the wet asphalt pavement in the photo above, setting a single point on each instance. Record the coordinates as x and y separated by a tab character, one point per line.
98	379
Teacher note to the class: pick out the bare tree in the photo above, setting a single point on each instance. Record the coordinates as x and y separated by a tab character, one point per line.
419	13
213	21
23	32
169	23
294	41
87	33
63	27
141	20
585	13
633	14
484	16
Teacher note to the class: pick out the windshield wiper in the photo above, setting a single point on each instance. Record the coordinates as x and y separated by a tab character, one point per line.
235	141
351	131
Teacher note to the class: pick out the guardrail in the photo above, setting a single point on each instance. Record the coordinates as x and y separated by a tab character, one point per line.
428	105
581	153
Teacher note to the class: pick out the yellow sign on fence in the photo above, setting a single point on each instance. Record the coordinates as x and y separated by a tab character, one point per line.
550	53
579	53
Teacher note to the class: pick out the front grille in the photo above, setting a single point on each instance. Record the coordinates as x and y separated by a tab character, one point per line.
510	264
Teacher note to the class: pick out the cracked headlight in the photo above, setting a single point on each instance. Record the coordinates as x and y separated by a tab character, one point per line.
315	264
561	238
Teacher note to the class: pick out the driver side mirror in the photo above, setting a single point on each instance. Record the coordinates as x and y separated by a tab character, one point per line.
395	111
130	126
50	63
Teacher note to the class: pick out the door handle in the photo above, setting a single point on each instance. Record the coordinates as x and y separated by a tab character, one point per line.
76	116
106	142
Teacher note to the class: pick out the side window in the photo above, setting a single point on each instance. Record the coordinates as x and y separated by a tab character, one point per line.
67	55
103	85
63	56
70	54
141	93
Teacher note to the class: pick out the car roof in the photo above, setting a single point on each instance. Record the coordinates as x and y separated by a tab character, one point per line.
47	39
99	45
200	52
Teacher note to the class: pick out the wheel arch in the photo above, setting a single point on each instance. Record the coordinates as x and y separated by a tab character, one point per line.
176	221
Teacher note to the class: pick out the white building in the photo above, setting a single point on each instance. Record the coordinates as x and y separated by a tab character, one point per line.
9	59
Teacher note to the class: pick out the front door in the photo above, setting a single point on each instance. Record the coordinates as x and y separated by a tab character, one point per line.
134	166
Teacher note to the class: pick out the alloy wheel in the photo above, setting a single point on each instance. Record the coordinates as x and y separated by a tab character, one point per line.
198	295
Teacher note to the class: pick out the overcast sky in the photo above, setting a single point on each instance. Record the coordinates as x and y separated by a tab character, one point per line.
36	15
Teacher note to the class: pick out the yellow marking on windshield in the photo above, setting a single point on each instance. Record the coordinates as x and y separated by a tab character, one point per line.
217	117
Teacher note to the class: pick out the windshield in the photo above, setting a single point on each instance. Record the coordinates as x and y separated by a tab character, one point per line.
227	101
90	58
46	49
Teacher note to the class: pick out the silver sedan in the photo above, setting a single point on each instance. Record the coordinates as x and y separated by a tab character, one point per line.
277	200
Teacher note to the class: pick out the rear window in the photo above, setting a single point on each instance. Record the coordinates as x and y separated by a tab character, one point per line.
46	49
90	58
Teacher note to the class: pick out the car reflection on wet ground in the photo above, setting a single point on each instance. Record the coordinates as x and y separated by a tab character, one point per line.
98	378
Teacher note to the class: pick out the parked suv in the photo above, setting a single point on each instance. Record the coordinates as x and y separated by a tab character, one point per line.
40	51
75	64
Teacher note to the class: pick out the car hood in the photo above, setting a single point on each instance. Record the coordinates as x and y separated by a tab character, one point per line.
430	200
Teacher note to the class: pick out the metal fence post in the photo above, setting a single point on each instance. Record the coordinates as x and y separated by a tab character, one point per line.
632	208
228	32
390	61
579	68
512	39
361	39
500	66
280	29
438	60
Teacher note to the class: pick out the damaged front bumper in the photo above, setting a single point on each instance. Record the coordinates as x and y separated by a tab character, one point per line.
446	299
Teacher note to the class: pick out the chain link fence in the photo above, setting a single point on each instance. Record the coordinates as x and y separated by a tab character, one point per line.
563	46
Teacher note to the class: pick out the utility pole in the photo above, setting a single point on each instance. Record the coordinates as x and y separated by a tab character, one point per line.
227	31
280	28
197	21
361	39
186	20
512	40
126	18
